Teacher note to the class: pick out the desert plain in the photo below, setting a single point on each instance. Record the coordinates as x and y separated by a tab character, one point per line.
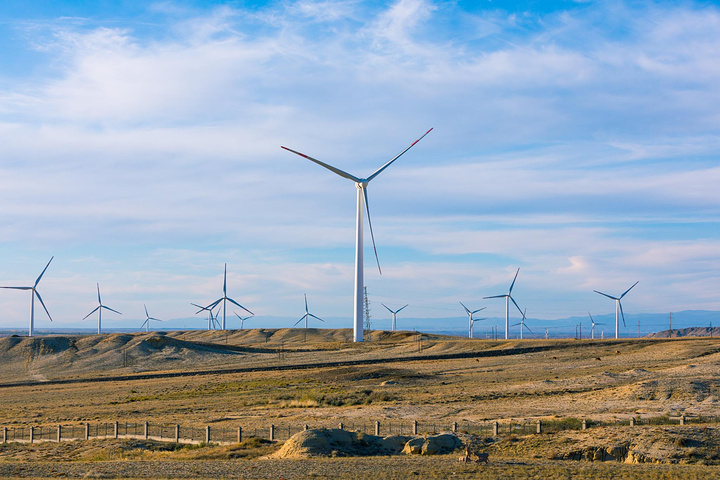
317	377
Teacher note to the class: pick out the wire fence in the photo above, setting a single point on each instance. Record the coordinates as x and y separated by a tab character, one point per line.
229	435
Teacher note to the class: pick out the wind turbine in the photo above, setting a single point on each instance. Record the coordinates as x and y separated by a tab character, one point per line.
146	323
34	293
394	314
508	298
618	307
211	319
224	299
242	319
307	314
362	199
99	310
592	331
522	325
471	321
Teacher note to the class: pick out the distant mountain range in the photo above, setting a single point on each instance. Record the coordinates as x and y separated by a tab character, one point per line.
651	324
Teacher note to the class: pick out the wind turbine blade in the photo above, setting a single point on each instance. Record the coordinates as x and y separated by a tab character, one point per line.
495	296
466	309
622	313
591	319
233	301
225	282
518	306
377	172
478	310
306	307
98	289
156	319
43	272
516	324
513	282
528	328
301	319
316	318
94	310
626	291
146	312
213	304
37	294
19	288
372	236
388	308
108	308
605	294
200	307
323	164
402	308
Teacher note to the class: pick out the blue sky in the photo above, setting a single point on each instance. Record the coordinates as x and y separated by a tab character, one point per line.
140	145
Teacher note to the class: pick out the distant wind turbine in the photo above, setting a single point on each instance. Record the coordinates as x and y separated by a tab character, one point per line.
508	298
394	314
34	293
211	318
362	199
242	319
99	310
618	307
522	324
471	320
307	314
146	323
592	330
224	299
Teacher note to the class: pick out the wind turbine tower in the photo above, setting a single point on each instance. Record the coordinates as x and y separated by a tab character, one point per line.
394	314
224	299
508	298
522	324
362	205
99	310
618	308
592	321
471	320
34	293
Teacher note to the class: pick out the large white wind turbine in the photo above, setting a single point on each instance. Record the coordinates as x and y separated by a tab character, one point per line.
34	293
508	298
362	198
618	307
146	323
242	320
99	310
307	314
225	299
471	320
522	324
394	314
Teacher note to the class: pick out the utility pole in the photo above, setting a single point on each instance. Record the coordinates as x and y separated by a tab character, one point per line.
638	328
670	336
367	311
580	330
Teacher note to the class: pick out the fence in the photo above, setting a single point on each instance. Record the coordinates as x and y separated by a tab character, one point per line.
228	435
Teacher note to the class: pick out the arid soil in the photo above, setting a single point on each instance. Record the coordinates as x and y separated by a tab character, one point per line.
518	380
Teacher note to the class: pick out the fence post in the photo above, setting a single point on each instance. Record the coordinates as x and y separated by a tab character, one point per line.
272	432
455	427
207	434
632	421
59	433
306	427
4	434
341	426
239	434
177	433
87	430
539	426
415	427
584	425
146	430
496	429
32	434
377	427
682	420
116	429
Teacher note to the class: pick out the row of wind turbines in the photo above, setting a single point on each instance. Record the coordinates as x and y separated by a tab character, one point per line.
361	208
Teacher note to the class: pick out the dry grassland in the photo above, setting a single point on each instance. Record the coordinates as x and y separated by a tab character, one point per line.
600	380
